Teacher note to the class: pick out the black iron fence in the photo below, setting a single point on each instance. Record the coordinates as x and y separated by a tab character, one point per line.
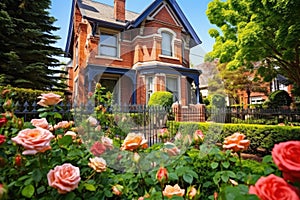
149	120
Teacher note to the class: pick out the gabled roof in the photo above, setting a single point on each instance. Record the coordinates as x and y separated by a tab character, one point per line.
104	14
173	4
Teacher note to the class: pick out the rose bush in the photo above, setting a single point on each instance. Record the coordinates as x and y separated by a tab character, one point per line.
82	162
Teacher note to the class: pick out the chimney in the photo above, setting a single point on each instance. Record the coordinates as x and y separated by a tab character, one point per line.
119	10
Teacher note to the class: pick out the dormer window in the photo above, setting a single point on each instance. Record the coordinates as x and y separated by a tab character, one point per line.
108	45
167	46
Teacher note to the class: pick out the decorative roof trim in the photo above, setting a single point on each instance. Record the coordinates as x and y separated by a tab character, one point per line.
70	32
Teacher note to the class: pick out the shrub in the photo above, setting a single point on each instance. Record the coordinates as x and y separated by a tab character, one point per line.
218	101
262	137
161	98
279	98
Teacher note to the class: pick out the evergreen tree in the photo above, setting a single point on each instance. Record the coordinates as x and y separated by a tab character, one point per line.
28	58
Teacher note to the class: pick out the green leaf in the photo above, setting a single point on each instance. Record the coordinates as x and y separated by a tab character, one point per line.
214	165
188	178
57	115
225	177
65	140
37	175
28	191
90	187
70	196
173	176
41	189
225	164
43	115
267	159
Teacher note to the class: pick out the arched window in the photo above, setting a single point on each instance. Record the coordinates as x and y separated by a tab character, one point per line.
166	44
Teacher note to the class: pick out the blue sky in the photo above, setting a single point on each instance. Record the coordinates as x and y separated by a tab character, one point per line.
194	10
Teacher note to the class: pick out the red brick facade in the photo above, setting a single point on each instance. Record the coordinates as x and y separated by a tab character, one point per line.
136	50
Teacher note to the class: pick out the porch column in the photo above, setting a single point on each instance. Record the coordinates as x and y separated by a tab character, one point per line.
196	81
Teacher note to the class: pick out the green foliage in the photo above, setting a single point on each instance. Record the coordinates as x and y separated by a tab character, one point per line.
262	137
218	101
279	98
161	98
22	95
28	57
260	33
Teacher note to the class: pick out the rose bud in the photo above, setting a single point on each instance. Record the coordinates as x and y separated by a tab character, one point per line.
162	175
18	160
117	189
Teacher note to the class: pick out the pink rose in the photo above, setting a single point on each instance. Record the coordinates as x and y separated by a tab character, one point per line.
273	188
2	139
171	149
198	136
63	125
34	140
42	123
49	99
64	178
98	148
286	157
107	142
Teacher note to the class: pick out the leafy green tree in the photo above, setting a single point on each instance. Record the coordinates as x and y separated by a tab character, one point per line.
28	58
257	33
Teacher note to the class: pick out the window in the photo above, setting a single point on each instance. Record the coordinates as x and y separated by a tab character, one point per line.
149	87
172	86
166	46
182	50
108	45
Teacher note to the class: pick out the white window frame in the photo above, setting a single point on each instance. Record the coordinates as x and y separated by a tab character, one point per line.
117	46
178	87
149	87
173	35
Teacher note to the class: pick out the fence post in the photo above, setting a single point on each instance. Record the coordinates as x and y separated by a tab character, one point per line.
176	108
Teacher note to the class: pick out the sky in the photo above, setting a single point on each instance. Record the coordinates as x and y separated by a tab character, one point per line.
194	11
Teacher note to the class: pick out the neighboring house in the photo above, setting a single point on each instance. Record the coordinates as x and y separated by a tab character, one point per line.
131	54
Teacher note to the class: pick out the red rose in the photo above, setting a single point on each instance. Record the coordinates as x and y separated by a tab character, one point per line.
286	157
273	188
2	139
18	160
98	148
3	121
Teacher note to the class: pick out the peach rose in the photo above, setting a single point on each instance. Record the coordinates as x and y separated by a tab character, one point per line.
273	188
171	149
236	142
34	140
286	157
42	123
98	164
134	141
49	99
117	189
63	125
72	134
175	190
192	192
64	178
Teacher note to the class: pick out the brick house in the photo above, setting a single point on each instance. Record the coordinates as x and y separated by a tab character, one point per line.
131	54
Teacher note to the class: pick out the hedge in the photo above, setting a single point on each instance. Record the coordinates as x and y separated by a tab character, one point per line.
262	137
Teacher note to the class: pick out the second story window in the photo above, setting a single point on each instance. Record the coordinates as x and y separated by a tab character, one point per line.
166	44
108	45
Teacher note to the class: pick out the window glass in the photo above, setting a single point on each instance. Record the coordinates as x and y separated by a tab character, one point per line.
108	45
172	86
166	44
